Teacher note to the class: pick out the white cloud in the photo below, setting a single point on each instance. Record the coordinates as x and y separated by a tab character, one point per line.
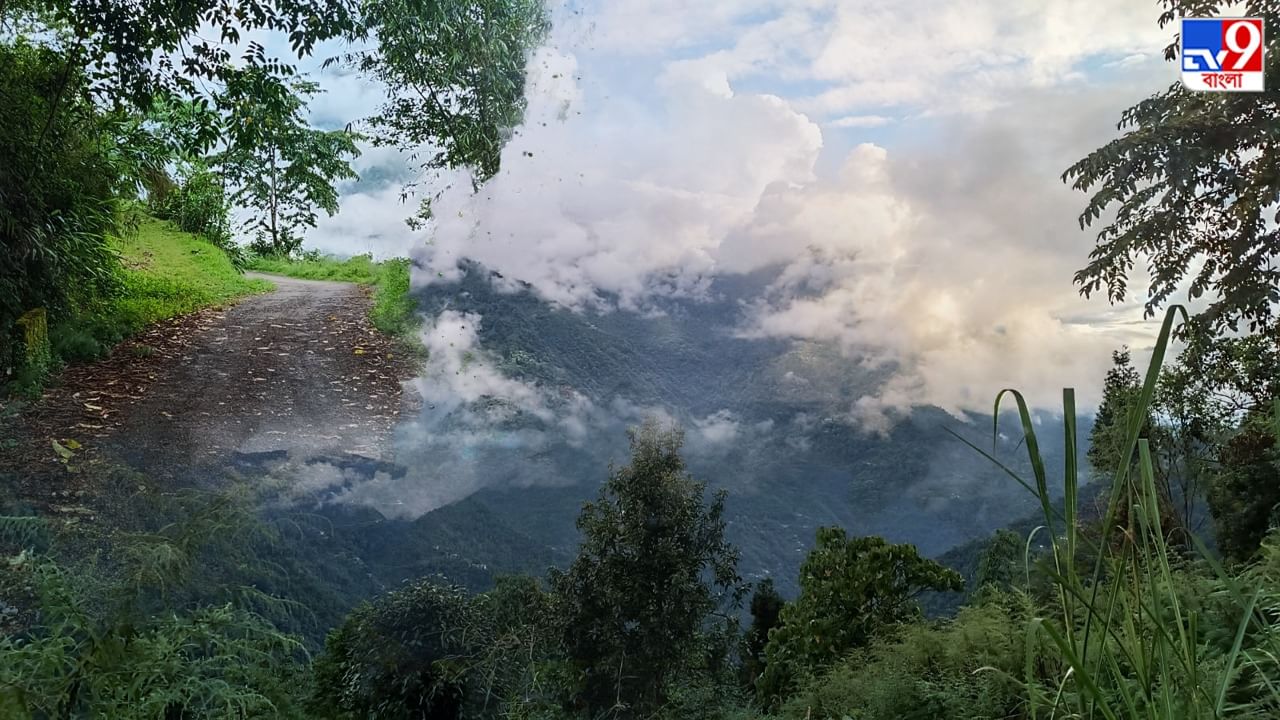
860	121
623	198
718	428
667	142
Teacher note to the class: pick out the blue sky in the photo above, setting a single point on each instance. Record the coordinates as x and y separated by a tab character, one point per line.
899	161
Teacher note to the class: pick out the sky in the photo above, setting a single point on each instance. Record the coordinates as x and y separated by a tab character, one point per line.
897	164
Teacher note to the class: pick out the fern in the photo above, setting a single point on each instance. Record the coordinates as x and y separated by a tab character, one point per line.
23	531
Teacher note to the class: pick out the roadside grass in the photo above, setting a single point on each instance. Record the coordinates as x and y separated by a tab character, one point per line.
164	273
1139	626
393	307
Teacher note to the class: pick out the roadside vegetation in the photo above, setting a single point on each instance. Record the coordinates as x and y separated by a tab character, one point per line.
1117	616
159	272
98	115
393	307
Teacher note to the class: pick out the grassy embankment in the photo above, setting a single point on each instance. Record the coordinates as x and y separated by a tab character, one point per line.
393	307
163	273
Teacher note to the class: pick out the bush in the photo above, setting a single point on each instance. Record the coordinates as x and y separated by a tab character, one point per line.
60	175
403	656
199	205
111	638
964	668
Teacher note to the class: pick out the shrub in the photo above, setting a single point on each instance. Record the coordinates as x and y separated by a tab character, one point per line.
199	205
405	655
963	668
59	179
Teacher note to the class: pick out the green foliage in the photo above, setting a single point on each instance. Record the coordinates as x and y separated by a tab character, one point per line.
466	96
393	306
852	591
115	637
131	47
1194	188
1132	638
1120	392
652	569
211	663
1001	564
963	668
59	178
404	656
431	650
279	166
766	614
199	205
1245	496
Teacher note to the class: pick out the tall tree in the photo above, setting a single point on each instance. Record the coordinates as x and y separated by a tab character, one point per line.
1194	182
1245	497
653	569
282	169
458	102
1167	427
1120	391
1000	562
766	613
851	591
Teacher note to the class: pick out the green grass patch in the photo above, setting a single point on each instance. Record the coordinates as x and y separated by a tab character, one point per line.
393	307
164	273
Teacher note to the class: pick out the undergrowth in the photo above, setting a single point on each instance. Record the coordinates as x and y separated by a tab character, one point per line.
163	273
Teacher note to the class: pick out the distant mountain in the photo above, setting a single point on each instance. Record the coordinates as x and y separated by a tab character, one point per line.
765	420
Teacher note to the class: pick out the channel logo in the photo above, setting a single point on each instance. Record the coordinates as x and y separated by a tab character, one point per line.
1223	54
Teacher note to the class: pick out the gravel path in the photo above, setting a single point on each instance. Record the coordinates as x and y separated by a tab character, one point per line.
288	376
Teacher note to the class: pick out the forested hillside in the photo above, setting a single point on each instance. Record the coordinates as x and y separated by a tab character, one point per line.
764	420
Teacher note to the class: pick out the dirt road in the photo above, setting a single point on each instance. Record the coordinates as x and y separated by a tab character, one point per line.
287	376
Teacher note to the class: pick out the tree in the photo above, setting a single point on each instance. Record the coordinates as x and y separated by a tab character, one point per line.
1194	185
1120	391
766	613
461	101
1000	562
129	49
852	590
281	168
1179	428
405	655
653	568
1245	497
60	176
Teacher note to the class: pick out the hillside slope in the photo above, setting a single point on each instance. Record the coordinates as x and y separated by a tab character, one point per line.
764	420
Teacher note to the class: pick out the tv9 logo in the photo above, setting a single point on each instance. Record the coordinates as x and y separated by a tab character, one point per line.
1223	54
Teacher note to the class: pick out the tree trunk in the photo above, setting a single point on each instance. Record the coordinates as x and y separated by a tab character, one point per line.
275	232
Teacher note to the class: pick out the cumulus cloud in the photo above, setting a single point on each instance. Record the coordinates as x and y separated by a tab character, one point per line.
951	261
667	144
